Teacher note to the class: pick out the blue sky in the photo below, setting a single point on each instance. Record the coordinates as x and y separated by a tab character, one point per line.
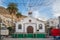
43	9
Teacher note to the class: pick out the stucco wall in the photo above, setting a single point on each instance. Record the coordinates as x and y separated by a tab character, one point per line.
34	23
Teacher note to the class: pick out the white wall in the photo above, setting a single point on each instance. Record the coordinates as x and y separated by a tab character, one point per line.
55	22
18	30
25	23
41	30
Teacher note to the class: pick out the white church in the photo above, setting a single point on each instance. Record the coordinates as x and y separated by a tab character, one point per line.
30	25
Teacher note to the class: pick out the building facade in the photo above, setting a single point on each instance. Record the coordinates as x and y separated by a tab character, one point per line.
53	22
30	25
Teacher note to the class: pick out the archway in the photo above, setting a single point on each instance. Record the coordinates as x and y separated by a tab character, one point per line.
29	29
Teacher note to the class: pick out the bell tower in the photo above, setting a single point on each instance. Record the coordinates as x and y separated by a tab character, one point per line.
30	13
29	10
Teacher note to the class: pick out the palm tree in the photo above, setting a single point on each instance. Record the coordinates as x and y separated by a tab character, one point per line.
12	8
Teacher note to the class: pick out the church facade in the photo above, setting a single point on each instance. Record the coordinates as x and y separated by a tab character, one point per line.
30	25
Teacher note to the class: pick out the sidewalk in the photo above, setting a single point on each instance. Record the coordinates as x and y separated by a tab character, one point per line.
28	39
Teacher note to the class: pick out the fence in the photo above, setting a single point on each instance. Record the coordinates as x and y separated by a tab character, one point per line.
28	35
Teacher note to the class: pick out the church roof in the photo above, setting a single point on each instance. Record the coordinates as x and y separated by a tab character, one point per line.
32	18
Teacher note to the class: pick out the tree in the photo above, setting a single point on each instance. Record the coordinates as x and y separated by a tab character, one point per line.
18	14
10	30
12	8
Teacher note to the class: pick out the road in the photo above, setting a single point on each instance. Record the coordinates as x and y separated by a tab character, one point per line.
28	39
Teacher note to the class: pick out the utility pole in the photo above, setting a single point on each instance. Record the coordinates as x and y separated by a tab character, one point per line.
59	22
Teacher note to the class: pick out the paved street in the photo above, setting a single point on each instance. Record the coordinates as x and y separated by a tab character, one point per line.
28	39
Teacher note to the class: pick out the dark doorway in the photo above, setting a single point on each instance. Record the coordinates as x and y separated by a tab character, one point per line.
29	29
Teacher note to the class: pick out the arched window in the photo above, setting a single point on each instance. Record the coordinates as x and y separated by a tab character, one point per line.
40	26
19	26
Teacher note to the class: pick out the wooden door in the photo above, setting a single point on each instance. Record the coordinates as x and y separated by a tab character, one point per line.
29	29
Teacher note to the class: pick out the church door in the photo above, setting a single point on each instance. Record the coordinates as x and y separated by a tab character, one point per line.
29	29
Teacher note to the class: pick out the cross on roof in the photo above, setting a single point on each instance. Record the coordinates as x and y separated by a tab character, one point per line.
30	6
